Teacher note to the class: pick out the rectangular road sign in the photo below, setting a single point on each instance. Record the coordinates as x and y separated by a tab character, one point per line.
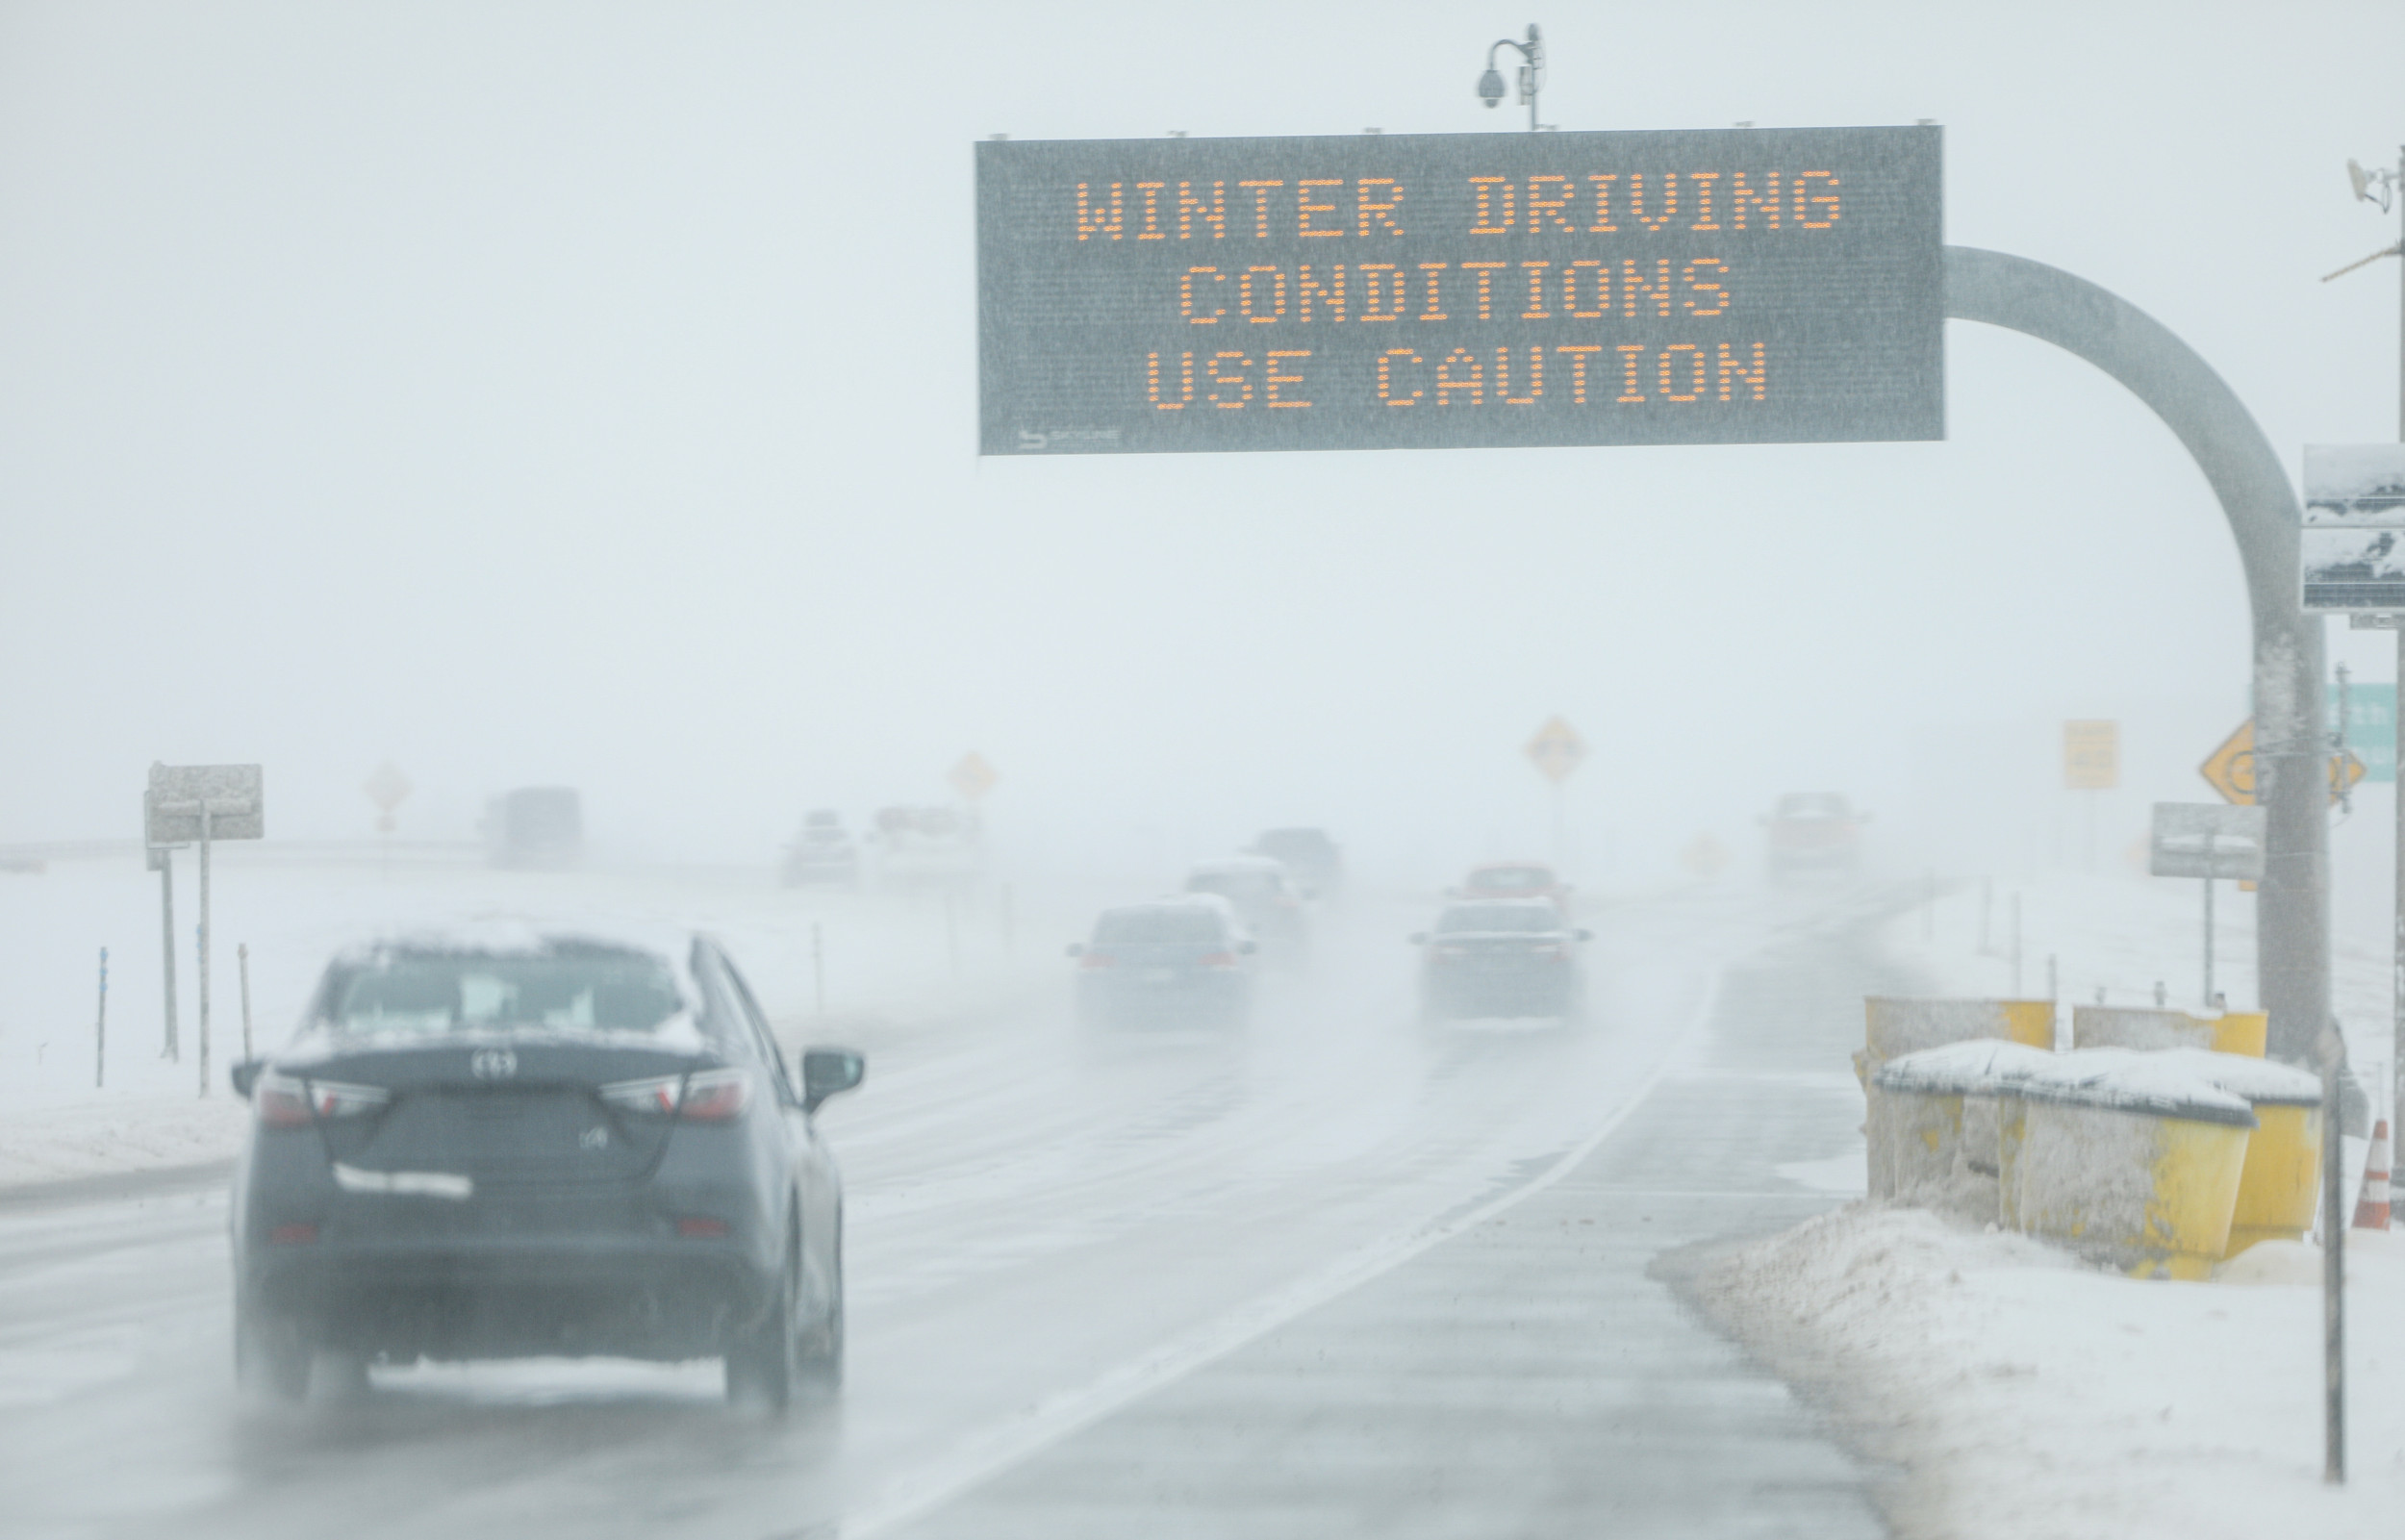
1426	290
2207	839
2352	546
2371	726
2091	755
235	799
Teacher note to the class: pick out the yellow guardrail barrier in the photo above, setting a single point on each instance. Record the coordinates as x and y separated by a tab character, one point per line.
2128	1027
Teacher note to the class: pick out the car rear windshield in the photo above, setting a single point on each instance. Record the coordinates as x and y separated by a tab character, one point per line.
470	991
1493	917
1813	807
1509	877
1157	928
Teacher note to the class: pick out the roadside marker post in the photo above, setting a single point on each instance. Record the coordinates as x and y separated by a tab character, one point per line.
242	958
2333	1052
100	1028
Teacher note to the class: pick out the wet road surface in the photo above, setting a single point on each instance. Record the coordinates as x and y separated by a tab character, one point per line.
1340	1273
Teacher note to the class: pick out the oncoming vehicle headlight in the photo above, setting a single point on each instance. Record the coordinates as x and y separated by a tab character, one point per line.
705	1095
288	1101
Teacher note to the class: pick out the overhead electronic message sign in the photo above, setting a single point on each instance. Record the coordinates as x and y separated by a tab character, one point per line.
1392	292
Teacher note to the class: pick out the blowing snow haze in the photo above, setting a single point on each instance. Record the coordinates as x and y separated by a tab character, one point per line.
627	409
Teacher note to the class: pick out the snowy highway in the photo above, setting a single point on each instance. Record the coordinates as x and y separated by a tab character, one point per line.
1342	1272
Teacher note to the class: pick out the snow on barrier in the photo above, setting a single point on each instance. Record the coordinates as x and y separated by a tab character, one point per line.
2123	1026
2158	1162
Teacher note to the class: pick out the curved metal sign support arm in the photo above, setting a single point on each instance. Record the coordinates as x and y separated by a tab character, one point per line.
2293	911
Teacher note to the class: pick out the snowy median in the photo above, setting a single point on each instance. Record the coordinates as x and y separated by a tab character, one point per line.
2016	1389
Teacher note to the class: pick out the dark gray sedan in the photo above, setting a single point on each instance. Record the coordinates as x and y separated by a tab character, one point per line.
545	1147
1501	957
1183	961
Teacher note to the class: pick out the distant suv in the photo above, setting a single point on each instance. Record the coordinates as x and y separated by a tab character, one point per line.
1813	832
1175	962
1314	859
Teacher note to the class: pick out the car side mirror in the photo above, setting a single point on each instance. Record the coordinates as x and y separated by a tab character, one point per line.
1076	949
244	1076
827	1072
1247	947
1417	938
1584	935
1862	818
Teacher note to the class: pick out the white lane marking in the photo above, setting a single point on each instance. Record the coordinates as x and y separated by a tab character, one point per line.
986	1455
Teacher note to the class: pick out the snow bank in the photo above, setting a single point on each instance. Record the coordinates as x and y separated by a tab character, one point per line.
2018	1393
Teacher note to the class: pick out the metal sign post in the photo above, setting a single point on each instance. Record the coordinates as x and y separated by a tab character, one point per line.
2353	557
161	858
204	803
1555	752
2212	842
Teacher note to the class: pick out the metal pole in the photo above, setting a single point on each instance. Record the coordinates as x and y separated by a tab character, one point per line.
2017	946
100	1028
951	927
2208	996
204	947
1987	911
242	956
818	966
2396	710
2333	1272
170	1050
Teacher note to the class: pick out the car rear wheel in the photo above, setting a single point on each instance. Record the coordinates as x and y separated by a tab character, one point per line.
270	1358
823	1359
764	1362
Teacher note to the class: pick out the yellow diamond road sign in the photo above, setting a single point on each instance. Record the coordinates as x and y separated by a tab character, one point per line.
1557	750
973	777
2231	769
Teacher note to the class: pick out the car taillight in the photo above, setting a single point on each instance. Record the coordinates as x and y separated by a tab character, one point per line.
1096	960
658	1098
288	1101
705	1095
1219	960
716	1096
1551	955
1450	951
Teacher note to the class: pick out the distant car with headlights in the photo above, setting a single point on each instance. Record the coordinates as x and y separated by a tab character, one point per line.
1813	832
1514	879
539	828
538	1146
1184	961
1501	957
824	852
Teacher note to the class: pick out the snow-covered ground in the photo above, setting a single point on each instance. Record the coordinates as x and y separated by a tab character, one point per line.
894	962
2019	1392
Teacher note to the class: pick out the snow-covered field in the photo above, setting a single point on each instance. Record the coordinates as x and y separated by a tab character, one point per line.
2019	1392
892	960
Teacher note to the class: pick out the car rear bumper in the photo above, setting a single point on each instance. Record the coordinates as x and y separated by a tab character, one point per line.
511	1297
1517	994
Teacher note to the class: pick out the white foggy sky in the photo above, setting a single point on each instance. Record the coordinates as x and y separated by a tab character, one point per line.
587	393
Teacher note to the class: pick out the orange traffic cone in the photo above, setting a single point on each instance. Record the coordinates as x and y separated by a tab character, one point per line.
2372	1209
